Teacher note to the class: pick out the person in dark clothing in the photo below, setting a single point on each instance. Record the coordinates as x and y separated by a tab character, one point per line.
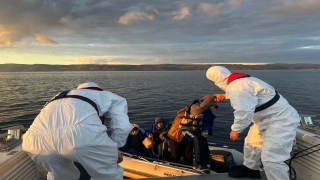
182	152
201	150
158	132
134	141
196	125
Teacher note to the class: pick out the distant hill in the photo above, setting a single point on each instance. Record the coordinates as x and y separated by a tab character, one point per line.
157	67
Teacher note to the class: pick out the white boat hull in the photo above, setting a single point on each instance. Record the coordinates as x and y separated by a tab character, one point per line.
16	164
138	168
307	167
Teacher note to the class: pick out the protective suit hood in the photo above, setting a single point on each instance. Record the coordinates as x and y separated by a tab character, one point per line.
88	84
219	75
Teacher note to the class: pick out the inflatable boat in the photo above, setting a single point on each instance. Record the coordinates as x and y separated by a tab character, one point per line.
304	164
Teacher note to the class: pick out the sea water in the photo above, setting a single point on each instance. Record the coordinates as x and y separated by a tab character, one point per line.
150	94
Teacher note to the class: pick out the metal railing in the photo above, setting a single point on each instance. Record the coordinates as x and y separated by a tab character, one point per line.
12	138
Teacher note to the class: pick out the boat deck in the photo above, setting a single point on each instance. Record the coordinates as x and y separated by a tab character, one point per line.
220	176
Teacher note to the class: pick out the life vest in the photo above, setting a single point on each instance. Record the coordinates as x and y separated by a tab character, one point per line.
174	132
64	95
235	76
199	122
264	106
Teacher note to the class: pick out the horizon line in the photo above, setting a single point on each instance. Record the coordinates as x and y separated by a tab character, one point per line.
229	63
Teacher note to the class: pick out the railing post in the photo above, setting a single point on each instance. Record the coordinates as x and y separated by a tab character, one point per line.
3	142
12	138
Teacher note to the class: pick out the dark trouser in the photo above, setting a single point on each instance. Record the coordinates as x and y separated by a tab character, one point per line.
201	149
181	149
83	173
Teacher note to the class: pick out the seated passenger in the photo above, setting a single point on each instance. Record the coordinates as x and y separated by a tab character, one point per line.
196	125
134	141
158	132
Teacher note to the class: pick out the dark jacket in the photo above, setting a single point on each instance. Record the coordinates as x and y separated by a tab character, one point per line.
137	145
159	135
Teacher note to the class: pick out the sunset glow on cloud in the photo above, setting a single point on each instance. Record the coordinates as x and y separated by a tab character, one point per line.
44	39
183	13
159	32
134	17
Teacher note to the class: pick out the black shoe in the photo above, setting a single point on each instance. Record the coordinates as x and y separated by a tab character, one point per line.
253	174
205	171
203	167
202	170
242	171
237	171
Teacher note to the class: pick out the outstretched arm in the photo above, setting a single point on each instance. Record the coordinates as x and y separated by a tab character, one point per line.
219	97
119	123
243	103
197	108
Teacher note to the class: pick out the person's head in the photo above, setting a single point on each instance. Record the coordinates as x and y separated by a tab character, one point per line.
135	129
219	75
88	85
159	122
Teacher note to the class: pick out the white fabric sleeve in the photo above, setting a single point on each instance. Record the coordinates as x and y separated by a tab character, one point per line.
119	123
244	103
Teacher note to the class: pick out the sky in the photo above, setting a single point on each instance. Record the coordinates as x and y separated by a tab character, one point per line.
159	31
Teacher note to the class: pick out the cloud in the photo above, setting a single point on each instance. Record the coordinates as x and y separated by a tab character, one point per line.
150	8
44	39
21	20
235	2
183	13
223	30
65	19
256	30
310	47
5	38
296	7
90	60
212	10
97	60
67	31
235	26
134	17
9	34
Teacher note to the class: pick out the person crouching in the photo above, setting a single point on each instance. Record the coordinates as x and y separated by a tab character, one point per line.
68	129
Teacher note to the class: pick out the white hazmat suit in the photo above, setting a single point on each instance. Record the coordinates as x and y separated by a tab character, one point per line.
69	129
271	136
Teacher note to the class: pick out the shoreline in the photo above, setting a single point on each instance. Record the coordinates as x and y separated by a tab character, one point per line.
155	67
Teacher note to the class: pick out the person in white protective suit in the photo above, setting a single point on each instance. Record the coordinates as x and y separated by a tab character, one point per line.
69	130
275	121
